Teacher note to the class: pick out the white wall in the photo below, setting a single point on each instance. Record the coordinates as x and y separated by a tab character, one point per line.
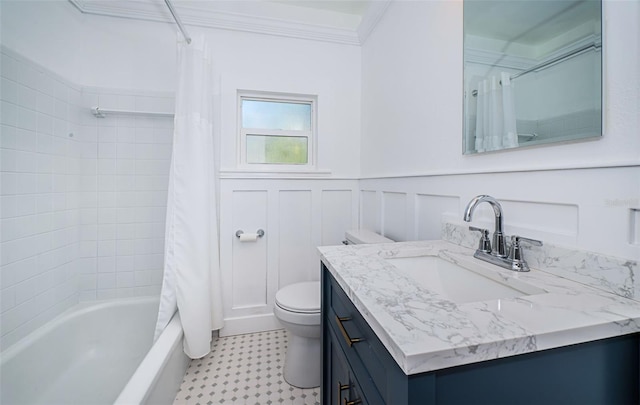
390	108
412	87
118	60
412	135
119	53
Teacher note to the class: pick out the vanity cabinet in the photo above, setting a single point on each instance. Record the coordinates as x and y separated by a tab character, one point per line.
358	369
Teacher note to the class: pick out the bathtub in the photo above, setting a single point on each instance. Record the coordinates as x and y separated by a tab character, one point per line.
96	353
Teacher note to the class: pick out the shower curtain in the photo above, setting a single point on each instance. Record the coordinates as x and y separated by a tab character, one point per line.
191	281
496	115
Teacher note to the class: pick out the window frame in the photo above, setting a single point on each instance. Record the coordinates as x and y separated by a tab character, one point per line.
311	135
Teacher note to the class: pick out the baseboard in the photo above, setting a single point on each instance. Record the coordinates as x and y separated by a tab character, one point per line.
249	324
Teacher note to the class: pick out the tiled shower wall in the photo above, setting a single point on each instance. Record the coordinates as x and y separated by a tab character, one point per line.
82	199
124	195
40	159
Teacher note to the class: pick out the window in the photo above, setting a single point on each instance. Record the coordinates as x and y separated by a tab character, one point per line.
277	130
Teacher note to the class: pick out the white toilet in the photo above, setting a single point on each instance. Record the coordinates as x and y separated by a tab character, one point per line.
298	310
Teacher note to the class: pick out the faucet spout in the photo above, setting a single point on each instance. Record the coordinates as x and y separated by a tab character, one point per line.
499	244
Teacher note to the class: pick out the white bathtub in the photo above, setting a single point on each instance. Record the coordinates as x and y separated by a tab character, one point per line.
96	353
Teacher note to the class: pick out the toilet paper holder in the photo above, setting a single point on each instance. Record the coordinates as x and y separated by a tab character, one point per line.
259	232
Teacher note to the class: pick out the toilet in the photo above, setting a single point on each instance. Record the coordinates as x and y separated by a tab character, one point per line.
297	307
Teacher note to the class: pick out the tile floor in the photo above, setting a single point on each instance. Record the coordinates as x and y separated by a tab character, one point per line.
243	369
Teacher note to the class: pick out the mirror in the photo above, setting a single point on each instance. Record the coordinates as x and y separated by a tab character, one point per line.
532	73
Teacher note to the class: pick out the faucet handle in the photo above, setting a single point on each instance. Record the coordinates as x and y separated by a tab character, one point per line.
516	239
485	243
515	252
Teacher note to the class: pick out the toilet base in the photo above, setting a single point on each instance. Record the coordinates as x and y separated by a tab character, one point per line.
303	362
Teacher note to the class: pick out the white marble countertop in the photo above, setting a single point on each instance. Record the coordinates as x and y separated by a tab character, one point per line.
424	331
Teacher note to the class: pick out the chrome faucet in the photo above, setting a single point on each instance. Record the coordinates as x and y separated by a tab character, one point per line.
499	244
496	252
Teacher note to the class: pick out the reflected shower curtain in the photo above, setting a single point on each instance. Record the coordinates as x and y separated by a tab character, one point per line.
496	115
191	281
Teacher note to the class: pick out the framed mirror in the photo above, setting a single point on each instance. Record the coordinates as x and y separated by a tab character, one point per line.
532	73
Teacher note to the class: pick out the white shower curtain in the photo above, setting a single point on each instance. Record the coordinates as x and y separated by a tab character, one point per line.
191	281
496	115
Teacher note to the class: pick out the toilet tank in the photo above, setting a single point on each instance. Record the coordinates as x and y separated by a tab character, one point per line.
362	236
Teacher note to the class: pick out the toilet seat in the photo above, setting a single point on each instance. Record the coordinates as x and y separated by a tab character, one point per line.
300	298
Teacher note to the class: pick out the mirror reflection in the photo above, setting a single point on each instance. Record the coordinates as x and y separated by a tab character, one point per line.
532	72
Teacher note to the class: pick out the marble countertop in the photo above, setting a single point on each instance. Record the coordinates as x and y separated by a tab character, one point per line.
423	331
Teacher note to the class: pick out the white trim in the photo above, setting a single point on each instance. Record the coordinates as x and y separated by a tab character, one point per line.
371	18
612	165
250	324
497	59
280	174
310	135
196	14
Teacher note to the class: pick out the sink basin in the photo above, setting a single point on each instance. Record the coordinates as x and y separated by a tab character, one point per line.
460	284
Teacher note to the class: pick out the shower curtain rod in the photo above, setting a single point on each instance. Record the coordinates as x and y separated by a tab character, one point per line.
559	58
185	34
103	112
552	61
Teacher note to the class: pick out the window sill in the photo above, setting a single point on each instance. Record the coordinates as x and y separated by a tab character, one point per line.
249	173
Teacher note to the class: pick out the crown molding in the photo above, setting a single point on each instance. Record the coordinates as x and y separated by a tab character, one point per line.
371	18
226	20
498	59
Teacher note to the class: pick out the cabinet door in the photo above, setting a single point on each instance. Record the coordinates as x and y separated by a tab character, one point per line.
339	384
343	388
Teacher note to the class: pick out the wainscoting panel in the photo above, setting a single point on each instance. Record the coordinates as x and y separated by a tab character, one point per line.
249	276
589	209
369	210
337	215
297	216
295	251
429	209
394	215
560	219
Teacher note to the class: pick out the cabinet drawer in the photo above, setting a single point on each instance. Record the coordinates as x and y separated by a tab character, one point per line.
373	366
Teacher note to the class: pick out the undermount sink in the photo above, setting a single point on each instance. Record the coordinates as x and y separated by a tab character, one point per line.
461	284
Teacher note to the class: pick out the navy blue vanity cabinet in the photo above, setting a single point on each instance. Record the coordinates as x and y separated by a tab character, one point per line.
374	378
357	369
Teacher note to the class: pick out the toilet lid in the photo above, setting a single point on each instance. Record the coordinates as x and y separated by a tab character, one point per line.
300	297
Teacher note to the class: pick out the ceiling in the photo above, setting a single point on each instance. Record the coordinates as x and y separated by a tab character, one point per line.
341	21
355	7
528	22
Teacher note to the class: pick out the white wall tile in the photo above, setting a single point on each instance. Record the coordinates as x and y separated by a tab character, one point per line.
8	160
87	282
106	248
9	90
7	299
125	279
106	264
107	151
44	124
8	113
107	231
125	263
45	104
26	97
63	196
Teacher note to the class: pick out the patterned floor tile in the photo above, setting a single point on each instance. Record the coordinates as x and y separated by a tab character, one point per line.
243	369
